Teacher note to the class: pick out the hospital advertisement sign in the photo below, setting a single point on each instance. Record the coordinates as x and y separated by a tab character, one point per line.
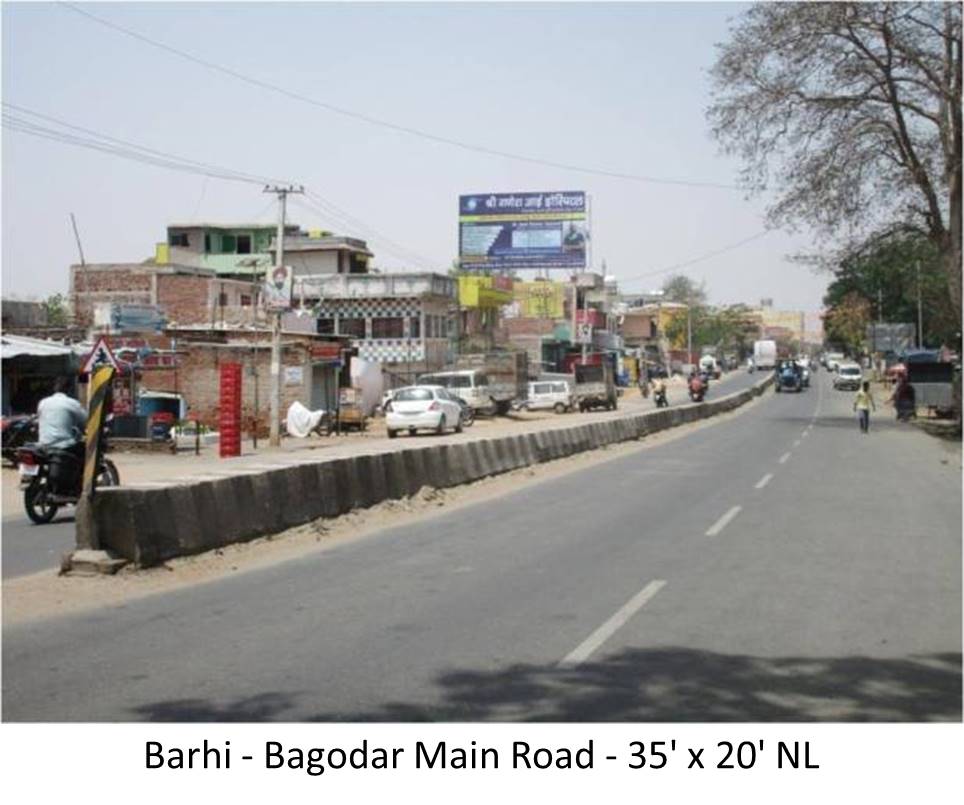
523	230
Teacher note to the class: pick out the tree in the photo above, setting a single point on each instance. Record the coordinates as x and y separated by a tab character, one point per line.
885	275
856	107
680	288
55	306
845	325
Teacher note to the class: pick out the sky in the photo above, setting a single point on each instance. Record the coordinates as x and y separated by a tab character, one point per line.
615	87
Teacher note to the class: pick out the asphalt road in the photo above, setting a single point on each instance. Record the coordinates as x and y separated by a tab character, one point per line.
28	548
776	566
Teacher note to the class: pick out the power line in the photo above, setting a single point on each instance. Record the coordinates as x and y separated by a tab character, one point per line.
386	124
700	259
105	142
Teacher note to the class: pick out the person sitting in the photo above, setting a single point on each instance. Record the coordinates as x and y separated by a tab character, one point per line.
61	420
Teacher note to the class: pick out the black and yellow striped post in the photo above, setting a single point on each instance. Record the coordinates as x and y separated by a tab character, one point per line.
101	383
99	395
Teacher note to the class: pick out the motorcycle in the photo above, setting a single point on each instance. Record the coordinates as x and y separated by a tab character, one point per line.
52	478
16	432
468	412
697	391
659	397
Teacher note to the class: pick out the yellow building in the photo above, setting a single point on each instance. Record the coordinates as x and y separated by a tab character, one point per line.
484	291
540	299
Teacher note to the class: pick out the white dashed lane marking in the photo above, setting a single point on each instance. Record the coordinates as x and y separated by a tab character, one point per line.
582	652
723	522
764	480
784	458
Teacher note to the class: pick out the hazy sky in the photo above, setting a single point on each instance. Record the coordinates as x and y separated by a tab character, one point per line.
620	87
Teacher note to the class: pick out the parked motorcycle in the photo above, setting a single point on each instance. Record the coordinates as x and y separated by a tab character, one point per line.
468	413
17	431
51	478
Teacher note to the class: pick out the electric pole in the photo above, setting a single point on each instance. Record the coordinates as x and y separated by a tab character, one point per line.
274	408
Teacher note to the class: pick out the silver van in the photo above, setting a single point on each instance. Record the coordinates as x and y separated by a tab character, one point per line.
545	395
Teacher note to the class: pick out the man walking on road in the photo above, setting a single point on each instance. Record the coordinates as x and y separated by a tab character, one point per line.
863	402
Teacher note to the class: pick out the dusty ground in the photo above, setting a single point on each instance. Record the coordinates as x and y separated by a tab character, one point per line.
44	595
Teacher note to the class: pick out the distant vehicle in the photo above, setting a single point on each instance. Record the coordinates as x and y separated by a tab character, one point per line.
555	395
488	381
833	360
849	377
764	354
805	376
16	431
789	377
415	408
709	365
595	387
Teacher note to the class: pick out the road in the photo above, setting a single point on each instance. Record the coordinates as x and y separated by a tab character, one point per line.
777	566
28	548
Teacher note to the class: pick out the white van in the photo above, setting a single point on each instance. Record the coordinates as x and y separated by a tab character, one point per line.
469	384
545	395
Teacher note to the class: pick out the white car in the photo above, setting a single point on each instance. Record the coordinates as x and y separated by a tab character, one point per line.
548	394
422	408
849	376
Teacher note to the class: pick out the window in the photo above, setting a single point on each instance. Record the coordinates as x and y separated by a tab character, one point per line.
229	244
244	244
353	327
541	388
245	300
387	328
414	327
179	239
207	243
326	326
411	395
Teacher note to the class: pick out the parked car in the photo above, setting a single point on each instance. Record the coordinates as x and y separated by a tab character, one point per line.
550	394
849	377
833	360
415	408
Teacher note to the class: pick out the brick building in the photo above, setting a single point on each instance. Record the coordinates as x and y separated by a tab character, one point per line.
185	295
186	361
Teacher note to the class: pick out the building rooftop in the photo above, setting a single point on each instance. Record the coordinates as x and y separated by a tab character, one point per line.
209	225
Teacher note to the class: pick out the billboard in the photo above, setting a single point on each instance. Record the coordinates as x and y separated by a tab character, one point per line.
523	230
891	337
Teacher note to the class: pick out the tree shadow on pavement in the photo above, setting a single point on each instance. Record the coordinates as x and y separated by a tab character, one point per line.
675	684
659	685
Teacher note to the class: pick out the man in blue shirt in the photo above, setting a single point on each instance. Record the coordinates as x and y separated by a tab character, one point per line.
61	419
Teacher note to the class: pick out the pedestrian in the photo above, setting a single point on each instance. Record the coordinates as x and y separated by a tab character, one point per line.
643	380
863	402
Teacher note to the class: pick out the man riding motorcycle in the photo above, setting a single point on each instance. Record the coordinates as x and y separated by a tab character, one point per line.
697	387
61	420
659	392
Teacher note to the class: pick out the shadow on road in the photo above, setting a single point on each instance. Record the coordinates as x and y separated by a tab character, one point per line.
665	684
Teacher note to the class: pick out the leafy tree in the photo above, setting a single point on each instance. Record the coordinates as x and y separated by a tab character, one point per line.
55	307
680	288
856	110
846	324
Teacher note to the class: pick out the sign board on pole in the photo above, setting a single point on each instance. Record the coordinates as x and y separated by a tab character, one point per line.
584	333
891	337
523	230
278	288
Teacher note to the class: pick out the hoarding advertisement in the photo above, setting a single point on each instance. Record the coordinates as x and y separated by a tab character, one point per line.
523	230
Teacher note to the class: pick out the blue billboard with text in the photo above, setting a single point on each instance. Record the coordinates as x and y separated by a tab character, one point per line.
523	230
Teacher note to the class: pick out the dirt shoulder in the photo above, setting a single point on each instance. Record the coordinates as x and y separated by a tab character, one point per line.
45	595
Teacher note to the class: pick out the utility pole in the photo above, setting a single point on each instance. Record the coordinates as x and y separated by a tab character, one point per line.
920	313
274	408
689	329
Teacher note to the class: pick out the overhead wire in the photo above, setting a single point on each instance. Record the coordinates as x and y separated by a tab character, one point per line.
383	123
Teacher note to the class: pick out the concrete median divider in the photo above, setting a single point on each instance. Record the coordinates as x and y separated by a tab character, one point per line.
149	524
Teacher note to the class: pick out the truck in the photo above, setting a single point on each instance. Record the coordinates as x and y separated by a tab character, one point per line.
764	354
595	386
488	381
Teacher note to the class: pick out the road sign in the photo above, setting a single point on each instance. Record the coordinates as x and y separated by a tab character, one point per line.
100	355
